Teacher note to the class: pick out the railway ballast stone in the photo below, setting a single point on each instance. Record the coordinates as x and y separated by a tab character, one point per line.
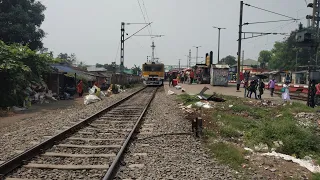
170	155
17	137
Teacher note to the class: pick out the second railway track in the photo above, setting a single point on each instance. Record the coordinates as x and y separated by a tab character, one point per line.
91	149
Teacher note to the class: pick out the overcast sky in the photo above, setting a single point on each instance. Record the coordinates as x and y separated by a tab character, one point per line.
91	29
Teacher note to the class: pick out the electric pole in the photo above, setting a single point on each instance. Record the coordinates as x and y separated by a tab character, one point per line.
153	46
197	53
179	64
312	72
122	48
122	40
218	42
239	46
242	61
190	58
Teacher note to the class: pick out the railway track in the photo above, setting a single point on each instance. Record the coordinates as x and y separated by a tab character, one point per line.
91	149
294	96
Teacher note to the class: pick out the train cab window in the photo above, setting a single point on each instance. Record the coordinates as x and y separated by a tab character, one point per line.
152	68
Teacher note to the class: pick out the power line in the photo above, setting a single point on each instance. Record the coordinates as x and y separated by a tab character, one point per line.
145	9
270	21
144	17
272	29
269	11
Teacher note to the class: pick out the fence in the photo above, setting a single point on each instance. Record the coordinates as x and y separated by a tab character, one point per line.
125	79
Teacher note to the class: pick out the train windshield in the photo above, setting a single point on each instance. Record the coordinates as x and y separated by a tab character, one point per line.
152	67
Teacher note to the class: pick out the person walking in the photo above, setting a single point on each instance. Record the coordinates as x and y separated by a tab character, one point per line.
271	85
170	79
191	76
80	88
285	92
253	88
261	88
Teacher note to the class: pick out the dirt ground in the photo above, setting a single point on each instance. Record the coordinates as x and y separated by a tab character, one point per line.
14	117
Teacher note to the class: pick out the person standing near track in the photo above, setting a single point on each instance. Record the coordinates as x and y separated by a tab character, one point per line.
271	85
191	76
285	92
80	88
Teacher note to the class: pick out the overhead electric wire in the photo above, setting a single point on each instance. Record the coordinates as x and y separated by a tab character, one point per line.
281	26
144	17
146	12
271	21
269	11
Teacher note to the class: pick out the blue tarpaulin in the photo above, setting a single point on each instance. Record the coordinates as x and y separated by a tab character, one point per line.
64	69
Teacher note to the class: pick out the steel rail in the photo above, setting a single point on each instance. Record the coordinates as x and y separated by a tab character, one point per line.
21	158
112	171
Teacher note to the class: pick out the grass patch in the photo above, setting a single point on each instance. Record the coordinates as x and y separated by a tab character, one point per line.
188	99
229	132
315	176
228	154
264	124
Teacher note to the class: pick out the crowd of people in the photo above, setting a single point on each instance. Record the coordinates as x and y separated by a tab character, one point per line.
259	85
182	77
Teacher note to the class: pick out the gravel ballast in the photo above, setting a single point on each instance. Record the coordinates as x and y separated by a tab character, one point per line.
169	156
24	134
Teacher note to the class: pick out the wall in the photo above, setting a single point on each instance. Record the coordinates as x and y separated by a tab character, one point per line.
125	79
219	77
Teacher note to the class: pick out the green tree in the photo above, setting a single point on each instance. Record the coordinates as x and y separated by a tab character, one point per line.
19	68
71	60
264	58
230	60
136	70
99	65
20	22
287	53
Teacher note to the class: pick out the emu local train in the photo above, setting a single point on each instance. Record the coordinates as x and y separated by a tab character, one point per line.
153	73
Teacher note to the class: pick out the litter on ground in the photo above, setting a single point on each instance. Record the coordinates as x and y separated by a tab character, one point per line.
304	163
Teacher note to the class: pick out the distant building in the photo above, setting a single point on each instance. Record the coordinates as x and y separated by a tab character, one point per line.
93	68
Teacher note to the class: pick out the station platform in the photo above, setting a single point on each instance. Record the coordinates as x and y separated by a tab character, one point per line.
229	90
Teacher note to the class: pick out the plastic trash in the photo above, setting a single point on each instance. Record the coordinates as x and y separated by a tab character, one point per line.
91	99
204	105
178	87
15	108
207	106
170	92
199	104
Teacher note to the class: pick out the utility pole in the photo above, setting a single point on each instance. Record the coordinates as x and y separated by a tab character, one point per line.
197	53
179	64
122	40
122	48
239	46
153	46
190	58
242	61
315	25
218	42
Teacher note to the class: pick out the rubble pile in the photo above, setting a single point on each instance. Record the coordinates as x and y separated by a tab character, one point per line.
262	103
306	119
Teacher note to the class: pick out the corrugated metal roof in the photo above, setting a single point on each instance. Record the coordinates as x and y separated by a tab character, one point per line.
62	68
95	69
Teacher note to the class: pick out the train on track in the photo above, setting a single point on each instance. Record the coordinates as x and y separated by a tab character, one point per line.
153	73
